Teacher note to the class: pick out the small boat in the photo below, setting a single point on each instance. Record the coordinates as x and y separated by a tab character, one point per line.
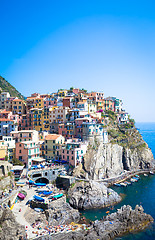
57	196
128	183
123	184
46	193
42	190
136	178
40	184
152	173
133	180
117	184
38	209
21	196
39	199
145	175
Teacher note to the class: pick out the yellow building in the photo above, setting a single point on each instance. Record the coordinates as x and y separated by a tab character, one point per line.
53	145
100	105
18	106
41	119
39	103
3	150
62	93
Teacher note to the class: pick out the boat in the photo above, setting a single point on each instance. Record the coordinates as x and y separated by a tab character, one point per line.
40	184
133	180
23	192
128	183
152	173
20	184
46	193
123	184
21	196
145	175
39	199
136	178
38	209
57	196
42	190
117	184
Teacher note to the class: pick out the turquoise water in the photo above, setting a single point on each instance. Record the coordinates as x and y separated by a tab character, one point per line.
141	192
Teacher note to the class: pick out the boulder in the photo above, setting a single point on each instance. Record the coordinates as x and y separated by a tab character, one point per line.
60	212
9	228
88	195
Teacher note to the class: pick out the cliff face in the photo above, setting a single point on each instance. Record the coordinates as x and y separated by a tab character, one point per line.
109	160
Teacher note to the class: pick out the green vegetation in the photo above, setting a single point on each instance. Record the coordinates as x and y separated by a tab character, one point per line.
7	87
17	162
126	134
72	185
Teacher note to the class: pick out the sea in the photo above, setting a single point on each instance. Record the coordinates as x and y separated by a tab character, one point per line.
141	192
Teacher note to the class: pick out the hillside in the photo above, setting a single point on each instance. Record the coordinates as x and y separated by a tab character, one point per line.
7	87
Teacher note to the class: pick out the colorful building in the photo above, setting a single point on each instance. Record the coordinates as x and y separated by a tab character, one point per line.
67	129
6	126
25	135
3	97
53	145
27	151
18	106
73	151
58	115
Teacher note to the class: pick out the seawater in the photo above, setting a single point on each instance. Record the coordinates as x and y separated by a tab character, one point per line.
141	192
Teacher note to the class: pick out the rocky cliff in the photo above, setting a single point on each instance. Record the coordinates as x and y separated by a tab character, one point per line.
109	160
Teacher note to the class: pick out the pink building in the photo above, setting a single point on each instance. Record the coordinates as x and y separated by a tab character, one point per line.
67	130
73	151
27	151
26	122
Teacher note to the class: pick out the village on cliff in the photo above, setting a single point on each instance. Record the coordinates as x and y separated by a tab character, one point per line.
70	142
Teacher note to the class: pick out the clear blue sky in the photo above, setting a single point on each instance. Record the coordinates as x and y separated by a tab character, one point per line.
99	45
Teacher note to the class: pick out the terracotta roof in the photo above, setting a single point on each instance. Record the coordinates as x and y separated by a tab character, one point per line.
17	100
52	136
4	111
5	120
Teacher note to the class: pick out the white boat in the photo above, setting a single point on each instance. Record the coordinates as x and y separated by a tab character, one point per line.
152	173
145	175
123	184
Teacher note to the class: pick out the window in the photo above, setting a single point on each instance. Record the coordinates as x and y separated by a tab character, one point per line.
20	151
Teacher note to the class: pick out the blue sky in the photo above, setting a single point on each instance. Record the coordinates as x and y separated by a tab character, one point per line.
100	45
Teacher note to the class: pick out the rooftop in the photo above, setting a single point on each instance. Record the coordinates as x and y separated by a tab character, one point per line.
52	136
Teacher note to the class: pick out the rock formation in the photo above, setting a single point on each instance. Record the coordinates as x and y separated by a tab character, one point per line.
87	195
109	160
123	221
60	213
9	228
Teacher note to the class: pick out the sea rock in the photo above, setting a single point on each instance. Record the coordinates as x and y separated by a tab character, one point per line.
88	195
9	228
60	212
123	221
